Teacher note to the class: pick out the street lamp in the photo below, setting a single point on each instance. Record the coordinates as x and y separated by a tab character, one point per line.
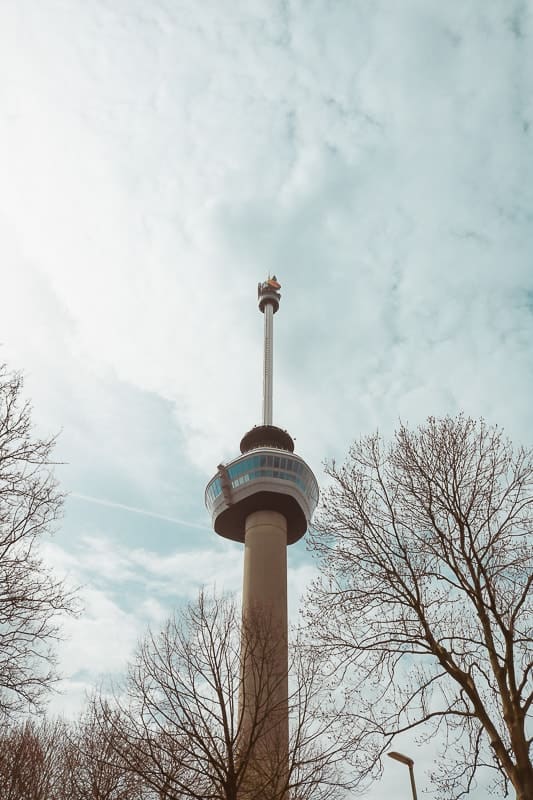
410	763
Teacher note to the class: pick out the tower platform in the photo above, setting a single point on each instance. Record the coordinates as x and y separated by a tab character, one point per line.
262	478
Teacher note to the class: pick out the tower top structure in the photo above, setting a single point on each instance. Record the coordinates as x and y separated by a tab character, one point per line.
268	293
268	474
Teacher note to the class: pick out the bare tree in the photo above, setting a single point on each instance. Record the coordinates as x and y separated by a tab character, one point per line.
31	760
93	769
424	605
182	722
31	598
49	759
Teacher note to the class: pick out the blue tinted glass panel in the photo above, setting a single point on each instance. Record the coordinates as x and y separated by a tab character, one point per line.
259	466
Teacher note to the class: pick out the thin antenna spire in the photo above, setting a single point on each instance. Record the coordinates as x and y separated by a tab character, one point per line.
269	297
268	366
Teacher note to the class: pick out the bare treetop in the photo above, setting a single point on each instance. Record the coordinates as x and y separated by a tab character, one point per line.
427	554
188	727
31	598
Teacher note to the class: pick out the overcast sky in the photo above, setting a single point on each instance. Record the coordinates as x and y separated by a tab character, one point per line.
157	159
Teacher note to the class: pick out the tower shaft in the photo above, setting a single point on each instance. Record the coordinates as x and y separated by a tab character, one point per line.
264	699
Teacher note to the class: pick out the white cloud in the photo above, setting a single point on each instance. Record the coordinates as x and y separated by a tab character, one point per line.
361	165
102	639
98	645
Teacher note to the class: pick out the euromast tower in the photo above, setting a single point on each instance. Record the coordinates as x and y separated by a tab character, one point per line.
265	499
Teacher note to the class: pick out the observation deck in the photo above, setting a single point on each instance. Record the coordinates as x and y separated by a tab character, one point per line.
264	477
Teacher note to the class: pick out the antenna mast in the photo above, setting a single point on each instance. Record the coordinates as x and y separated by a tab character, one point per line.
269	297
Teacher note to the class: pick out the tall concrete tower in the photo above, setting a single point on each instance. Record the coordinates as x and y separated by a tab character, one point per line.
265	498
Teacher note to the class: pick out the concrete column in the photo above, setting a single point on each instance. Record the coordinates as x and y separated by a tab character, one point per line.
264	696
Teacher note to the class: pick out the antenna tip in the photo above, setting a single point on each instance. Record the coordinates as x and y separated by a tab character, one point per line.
268	293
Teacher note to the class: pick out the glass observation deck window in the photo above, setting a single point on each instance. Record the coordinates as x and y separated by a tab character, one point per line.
267	465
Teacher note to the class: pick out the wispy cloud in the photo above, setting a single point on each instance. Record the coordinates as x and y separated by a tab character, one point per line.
101	501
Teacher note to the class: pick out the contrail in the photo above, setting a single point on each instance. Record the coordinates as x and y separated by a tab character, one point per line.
134	510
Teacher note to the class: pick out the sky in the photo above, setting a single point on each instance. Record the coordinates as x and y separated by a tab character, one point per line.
157	160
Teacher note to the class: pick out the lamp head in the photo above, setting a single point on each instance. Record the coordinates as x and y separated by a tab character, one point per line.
401	758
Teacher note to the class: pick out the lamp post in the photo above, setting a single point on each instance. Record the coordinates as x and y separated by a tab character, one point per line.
410	763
